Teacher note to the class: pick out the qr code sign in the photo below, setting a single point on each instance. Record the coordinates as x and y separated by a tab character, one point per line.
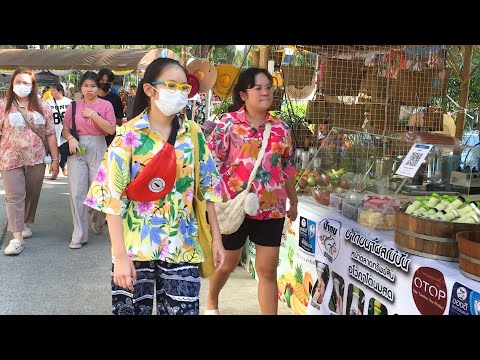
414	159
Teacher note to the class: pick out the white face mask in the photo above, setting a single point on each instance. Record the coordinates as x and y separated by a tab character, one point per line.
170	104
22	90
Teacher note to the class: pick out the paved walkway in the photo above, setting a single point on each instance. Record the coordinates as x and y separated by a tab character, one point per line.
49	278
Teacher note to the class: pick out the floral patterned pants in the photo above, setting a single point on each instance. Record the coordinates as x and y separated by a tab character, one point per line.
177	290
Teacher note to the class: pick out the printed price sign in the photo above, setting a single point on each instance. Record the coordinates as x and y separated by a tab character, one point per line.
413	160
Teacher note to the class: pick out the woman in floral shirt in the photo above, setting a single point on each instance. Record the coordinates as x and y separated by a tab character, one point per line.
156	242
235	144
21	154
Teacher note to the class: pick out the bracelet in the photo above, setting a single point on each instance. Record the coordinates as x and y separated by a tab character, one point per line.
71	137
55	159
295	203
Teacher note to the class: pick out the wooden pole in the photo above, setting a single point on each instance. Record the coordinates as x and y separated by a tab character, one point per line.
264	56
464	90
183	56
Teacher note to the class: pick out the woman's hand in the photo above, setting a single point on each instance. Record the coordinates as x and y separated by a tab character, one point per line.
88	113
292	212
218	252
124	273
73	145
55	169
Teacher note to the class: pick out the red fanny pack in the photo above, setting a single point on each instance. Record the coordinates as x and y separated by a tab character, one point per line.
156	179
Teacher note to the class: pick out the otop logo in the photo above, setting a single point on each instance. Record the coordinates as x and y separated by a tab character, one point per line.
429	291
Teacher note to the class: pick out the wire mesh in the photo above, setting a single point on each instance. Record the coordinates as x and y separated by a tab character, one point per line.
379	89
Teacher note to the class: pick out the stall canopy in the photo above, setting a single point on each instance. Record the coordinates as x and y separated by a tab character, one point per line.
80	59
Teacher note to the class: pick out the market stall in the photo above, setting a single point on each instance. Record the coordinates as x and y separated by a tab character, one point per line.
388	220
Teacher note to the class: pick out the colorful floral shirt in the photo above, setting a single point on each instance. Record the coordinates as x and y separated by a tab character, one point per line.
235	145
165	229
19	145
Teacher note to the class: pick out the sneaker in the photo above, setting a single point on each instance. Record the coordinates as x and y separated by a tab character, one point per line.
73	245
97	229
15	247
211	312
27	233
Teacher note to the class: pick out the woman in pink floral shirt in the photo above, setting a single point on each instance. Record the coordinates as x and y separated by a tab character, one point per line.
235	144
22	154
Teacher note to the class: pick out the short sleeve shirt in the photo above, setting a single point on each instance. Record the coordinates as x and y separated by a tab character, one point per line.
19	144
165	229
235	145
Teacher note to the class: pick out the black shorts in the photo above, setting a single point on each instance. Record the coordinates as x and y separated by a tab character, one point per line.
261	232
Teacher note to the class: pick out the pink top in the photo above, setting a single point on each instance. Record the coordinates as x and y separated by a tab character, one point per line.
19	145
86	126
235	145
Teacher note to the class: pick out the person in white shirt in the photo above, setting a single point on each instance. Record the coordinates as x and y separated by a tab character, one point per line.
59	104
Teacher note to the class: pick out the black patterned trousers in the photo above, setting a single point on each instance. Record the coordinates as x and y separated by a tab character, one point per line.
177	290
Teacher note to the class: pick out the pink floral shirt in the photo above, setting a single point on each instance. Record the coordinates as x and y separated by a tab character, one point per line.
19	145
235	145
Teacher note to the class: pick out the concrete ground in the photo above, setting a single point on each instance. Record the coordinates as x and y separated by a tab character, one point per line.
49	278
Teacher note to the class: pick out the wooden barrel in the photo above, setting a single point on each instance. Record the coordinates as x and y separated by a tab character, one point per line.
429	238
469	248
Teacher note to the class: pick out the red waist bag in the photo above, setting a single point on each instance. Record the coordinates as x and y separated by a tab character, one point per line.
157	178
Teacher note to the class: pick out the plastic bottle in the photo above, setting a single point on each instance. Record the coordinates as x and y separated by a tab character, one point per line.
471	219
457	203
449	216
415	205
475	206
446	200
434	200
422	211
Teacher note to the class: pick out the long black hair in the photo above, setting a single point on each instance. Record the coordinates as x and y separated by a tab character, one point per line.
153	71
246	80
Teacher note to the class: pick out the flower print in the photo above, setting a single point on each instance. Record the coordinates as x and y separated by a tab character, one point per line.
190	194
165	252
278	147
263	176
217	187
101	176
235	184
183	227
143	208
239	130
130	254
275	214
131	138
90	201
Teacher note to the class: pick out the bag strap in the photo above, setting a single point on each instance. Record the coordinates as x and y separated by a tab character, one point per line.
74	111
194	131
31	126
266	136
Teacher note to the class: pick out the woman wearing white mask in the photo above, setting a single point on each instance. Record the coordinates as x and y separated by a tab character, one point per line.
155	240
23	153
94	118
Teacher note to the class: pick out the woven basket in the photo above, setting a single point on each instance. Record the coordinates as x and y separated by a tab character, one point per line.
347	116
414	88
377	118
318	112
298	76
342	77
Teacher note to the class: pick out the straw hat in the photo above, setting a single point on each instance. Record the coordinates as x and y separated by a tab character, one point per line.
300	93
226	77
193	81
277	79
205	72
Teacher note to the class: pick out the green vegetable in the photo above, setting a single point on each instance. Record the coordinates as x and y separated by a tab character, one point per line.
288	295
